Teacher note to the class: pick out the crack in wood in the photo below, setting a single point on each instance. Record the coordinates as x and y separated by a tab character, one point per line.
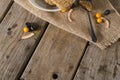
6	11
84	51
29	57
115	71
116	59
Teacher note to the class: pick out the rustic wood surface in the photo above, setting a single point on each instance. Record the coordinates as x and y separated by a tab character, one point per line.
80	25
58	53
4	7
13	51
100	64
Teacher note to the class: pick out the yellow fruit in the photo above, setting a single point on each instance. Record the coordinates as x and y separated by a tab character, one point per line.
63	10
98	15
99	20
26	29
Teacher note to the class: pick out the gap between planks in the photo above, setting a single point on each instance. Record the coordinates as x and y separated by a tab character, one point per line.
86	47
100	64
58	53
7	8
74	73
29	57
13	51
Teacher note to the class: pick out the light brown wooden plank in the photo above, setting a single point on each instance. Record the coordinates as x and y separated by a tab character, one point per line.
13	51
58	52
4	7
80	25
100	64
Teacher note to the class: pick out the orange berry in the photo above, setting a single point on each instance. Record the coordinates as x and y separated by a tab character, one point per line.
26	29
98	15
99	20
63	10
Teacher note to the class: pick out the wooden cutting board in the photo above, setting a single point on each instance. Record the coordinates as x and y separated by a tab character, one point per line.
80	24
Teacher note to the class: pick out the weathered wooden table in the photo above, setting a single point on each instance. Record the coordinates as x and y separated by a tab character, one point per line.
52	54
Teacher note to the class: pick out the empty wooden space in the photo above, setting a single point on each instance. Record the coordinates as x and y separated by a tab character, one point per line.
58	54
100	64
52	53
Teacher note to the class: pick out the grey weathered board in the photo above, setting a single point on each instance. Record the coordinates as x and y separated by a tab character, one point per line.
4	7
13	51
100	64
58	53
80	25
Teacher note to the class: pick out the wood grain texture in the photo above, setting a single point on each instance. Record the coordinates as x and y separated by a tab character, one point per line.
4	5
80	25
13	51
58	52
100	64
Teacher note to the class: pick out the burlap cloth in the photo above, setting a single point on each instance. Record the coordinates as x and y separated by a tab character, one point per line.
80	24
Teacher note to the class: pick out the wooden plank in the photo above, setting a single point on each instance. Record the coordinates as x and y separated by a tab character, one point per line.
4	7
56	57
13	51
100	64
80	24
